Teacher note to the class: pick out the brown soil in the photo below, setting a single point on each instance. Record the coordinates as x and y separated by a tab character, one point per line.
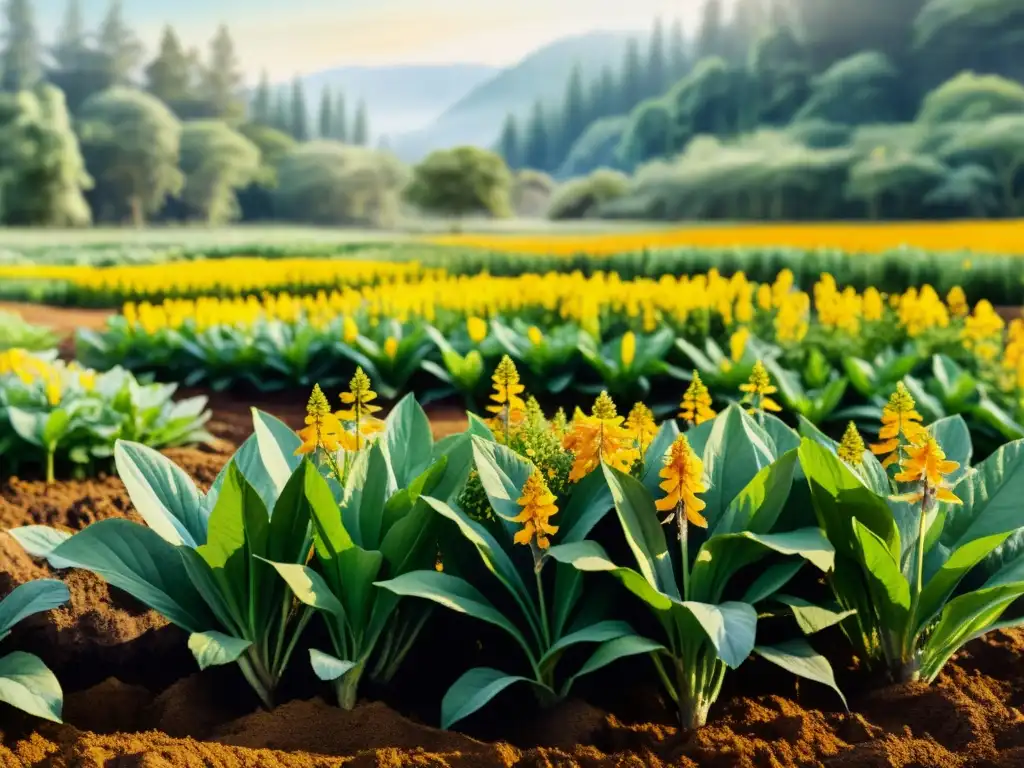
134	697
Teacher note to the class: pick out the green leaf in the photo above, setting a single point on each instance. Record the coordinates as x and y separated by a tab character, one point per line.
213	648
991	497
277	444
757	507
27	684
736	451
611	651
731	627
595	633
889	588
328	668
163	495
590	556
797	656
772	579
39	541
359	570
410	442
861	375
644	534
589	502
289	537
478	427
134	558
654	459
503	473
783	436
363	511
474	690
29	598
55	428
309	588
954	436
453	593
812	618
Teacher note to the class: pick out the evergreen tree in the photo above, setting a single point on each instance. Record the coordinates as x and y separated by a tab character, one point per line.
340	119
749	22
281	115
361	127
574	113
657	64
118	45
538	144
632	83
20	58
262	108
678	60
169	75
608	91
509	144
299	121
70	50
326	116
222	79
711	37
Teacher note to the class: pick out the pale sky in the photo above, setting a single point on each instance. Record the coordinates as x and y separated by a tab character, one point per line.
303	36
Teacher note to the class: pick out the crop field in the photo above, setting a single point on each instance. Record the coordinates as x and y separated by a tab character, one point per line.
716	497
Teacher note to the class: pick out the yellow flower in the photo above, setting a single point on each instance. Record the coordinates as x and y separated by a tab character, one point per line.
599	437
874	307
538	505
350	331
738	343
901	426
956	300
758	389
477	329
926	463
322	427
683	478
628	349
851	449
641	427
53	390
696	404
535	335
764	296
391	347
509	407
359	411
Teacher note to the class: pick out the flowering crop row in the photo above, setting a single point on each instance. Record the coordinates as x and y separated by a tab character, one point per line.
831	349
367	527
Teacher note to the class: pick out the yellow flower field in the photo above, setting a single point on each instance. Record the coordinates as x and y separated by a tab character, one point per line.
992	237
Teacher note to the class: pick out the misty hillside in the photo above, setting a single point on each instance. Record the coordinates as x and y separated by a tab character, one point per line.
399	98
478	116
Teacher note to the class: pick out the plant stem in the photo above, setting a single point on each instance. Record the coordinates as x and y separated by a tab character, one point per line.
50	478
544	624
909	670
684	545
245	664
347	687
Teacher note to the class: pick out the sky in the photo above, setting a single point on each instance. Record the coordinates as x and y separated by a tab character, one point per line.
289	37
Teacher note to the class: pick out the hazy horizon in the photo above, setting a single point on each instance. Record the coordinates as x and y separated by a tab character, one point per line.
306	36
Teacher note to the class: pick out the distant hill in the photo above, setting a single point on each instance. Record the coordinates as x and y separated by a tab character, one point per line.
399	98
478	116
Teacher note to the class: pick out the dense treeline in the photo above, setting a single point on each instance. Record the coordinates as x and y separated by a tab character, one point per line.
92	131
797	109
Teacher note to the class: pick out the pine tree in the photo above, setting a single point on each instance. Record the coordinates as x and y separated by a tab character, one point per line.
326	117
749	21
711	38
281	114
609	92
361	126
340	119
262	108
657	65
223	80
678	60
169	75
120	48
299	120
632	85
70	49
509	144
20	58
536	154
574	113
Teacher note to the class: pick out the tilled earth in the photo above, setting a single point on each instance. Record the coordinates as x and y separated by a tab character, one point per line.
134	697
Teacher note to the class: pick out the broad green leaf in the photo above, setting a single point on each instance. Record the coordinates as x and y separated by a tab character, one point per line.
370	498
27	684
288	539
55	427
736	451
453	593
213	648
309	588
812	618
757	507
277	444
589	502
654	459
40	541
889	588
611	651
861	375
28	425
503	473
731	627
955	438
798	657
29	598
644	533
595	633
359	570
590	556
250	463
163	495
134	558
474	690
459	460
772	579
478	427
409	440
328	668
989	412
783	436
991	497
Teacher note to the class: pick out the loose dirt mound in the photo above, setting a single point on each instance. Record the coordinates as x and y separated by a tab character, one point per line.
134	697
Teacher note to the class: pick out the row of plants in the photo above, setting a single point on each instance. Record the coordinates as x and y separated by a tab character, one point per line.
835	353
994	277
16	333
57	416
723	534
